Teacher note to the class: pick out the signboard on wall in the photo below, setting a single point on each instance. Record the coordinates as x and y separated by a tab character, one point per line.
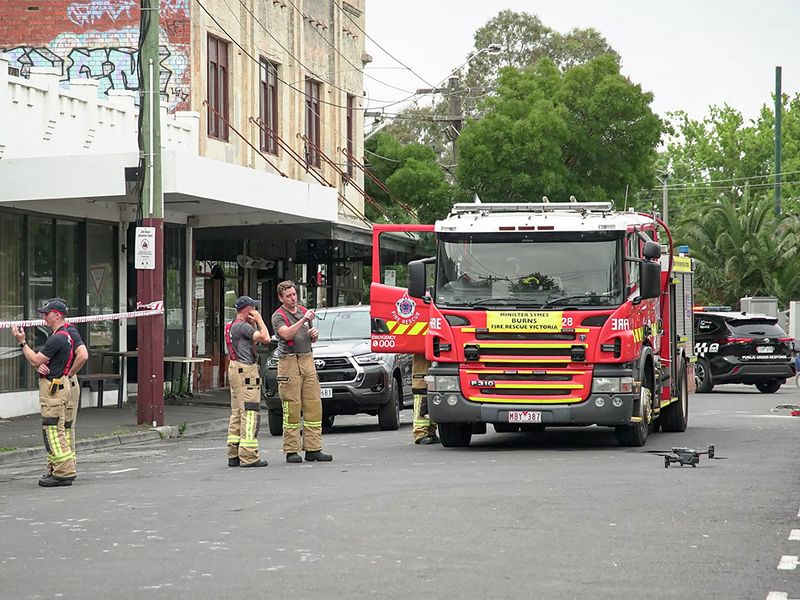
145	244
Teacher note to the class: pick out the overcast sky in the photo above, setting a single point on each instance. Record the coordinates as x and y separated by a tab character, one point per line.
689	53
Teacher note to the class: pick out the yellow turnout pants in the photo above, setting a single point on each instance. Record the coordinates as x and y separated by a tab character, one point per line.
299	389
245	411
53	406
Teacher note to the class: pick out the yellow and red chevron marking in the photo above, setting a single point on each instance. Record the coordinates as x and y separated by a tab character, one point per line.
419	328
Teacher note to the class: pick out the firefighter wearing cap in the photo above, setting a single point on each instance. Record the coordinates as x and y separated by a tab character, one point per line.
241	336
423	429
54	390
298	384
81	353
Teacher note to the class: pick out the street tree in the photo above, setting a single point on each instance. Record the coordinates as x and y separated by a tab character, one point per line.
588	132
418	188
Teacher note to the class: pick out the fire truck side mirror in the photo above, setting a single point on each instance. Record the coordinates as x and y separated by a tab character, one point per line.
649	280
651	250
416	279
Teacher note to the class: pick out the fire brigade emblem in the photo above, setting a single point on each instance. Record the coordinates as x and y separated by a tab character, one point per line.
406	307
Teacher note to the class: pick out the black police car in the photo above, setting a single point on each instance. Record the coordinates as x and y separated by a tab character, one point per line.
737	347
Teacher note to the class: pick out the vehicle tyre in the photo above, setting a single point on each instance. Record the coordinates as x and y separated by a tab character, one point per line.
636	433
389	413
275	422
769	387
506	427
455	435
675	417
327	422
702	376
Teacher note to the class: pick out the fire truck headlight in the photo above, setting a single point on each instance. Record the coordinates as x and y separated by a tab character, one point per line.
600	401
612	385
616	401
436	399
444	383
452	399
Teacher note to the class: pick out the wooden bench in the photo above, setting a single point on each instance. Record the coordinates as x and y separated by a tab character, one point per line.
101	378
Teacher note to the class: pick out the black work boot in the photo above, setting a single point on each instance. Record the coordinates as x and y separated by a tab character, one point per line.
429	439
234	462
258	463
53	481
293	457
317	455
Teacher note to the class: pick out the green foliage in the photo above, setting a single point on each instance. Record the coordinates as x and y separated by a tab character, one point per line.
525	41
413	178
742	249
587	132
716	156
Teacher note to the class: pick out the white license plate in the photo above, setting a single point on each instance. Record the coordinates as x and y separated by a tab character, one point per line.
326	393
765	349
524	416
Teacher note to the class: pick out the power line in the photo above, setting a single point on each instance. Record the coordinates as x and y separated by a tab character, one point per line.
347	60
389	54
704	184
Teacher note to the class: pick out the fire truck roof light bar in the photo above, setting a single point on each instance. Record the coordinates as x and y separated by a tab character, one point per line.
471	207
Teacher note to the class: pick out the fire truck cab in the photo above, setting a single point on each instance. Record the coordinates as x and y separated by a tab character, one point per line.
545	314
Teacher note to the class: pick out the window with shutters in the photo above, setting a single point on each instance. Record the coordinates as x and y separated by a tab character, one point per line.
313	123
217	88
269	106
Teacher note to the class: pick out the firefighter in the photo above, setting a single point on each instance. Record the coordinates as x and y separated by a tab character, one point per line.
54	391
79	360
423	430
241	336
298	384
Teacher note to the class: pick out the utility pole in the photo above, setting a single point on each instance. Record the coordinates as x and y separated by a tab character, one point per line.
454	93
778	114
150	233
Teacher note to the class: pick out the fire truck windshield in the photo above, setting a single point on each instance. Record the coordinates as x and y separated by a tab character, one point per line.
531	273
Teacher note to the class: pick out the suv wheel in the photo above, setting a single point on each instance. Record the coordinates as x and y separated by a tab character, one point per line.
702	376
275	422
769	387
389	413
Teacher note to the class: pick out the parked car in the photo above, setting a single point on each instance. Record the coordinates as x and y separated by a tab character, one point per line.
737	347
354	379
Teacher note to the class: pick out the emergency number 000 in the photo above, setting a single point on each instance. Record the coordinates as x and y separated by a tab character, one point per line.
383	342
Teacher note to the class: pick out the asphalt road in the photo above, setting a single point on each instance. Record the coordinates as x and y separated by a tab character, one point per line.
560	515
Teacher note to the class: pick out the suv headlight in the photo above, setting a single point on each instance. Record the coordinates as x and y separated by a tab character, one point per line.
443	383
370	359
612	385
272	363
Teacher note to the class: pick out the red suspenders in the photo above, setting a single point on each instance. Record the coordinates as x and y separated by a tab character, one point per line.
228	341
290	343
71	348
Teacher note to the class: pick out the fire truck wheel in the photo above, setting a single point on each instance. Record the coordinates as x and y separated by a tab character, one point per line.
506	427
455	435
702	376
636	433
675	417
275	422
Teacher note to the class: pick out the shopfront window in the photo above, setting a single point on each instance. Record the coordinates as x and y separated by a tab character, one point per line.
174	290
12	278
68	263
102	289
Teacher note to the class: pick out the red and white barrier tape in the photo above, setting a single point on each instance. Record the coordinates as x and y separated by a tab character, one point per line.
154	308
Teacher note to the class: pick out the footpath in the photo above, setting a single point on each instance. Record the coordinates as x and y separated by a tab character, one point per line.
21	437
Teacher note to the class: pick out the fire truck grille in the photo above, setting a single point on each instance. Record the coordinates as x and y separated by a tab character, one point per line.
525	336
525	351
527	392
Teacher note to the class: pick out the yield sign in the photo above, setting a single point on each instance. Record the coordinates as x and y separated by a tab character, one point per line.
98	273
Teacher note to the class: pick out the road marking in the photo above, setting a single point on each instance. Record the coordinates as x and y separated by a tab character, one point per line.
778	596
788	563
122	471
795	534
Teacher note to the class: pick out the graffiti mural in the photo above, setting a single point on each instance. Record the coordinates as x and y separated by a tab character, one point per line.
98	39
89	13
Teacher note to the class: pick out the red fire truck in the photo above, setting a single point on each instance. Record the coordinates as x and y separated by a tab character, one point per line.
543	314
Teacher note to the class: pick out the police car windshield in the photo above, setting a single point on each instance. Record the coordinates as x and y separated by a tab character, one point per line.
529	272
756	327
335	325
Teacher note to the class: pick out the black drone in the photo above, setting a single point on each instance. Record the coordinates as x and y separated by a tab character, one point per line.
684	456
